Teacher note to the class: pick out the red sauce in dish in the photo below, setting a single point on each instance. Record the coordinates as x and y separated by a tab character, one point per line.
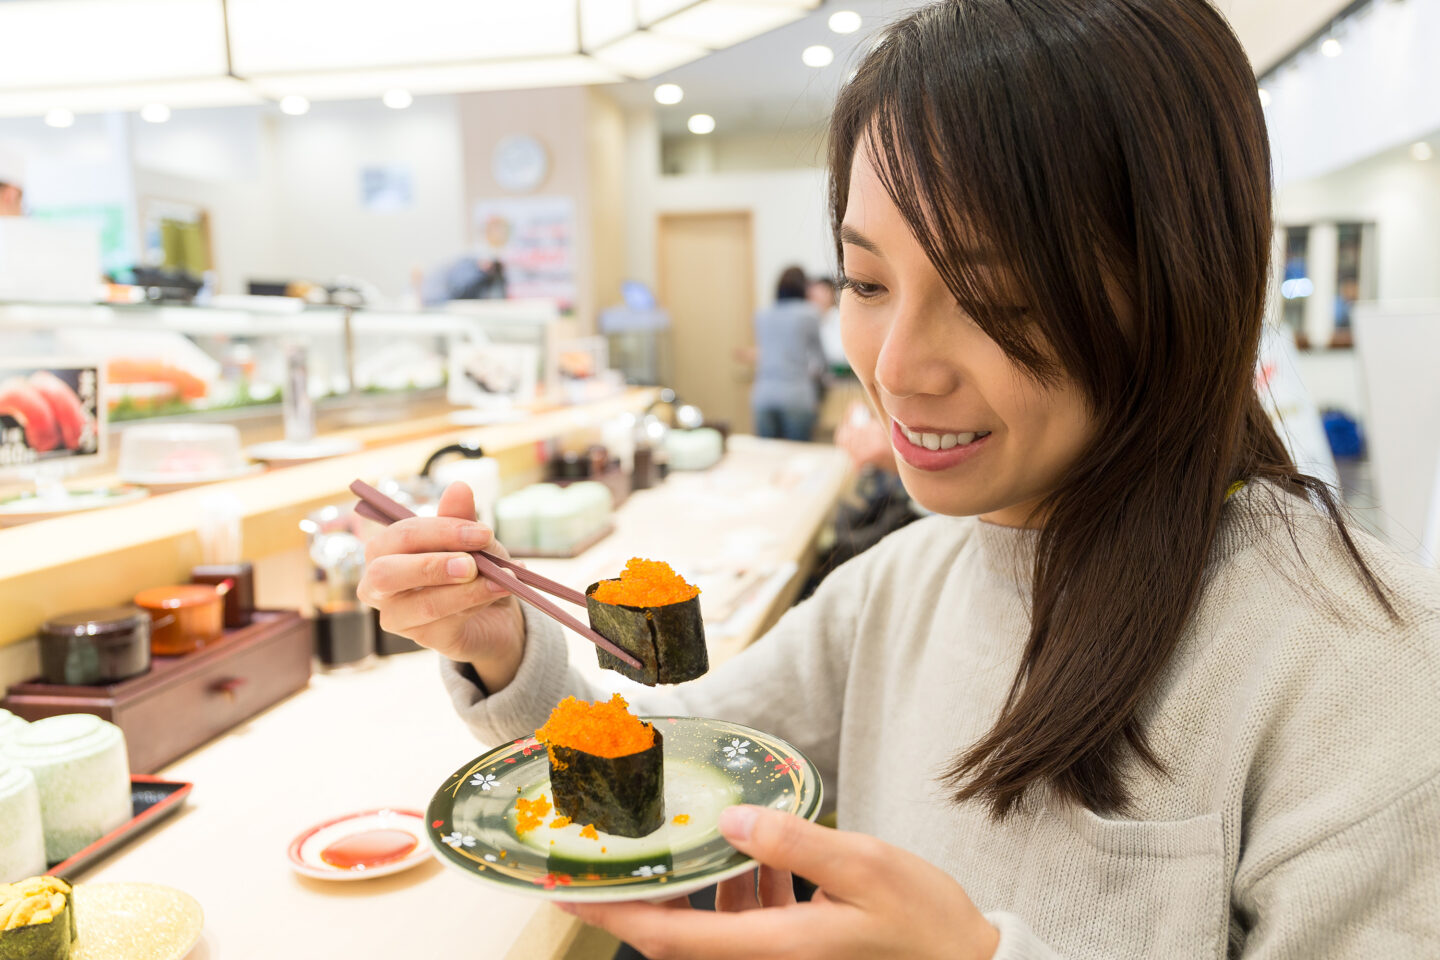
370	848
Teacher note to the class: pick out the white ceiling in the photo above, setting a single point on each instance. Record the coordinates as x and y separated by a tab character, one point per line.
762	85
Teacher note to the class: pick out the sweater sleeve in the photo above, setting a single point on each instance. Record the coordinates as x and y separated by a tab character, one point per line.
1368	889
790	683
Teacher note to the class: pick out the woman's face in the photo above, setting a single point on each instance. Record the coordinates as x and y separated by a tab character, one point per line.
974	433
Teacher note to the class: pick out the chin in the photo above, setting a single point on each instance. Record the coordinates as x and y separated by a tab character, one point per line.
949	499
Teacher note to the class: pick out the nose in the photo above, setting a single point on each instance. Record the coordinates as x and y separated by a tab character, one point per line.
915	358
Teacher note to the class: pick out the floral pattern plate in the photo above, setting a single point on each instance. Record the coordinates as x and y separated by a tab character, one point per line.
709	765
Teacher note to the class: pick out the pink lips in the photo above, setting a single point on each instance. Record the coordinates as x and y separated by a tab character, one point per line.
922	458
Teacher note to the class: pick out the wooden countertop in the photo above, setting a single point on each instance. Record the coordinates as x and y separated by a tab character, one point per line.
388	736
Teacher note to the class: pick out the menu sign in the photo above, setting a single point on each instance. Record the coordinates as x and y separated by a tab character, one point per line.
48	412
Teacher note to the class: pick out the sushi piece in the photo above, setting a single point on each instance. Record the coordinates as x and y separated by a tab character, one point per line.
37	919
649	611
606	766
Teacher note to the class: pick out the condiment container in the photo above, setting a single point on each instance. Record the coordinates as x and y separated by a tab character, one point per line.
184	618
239	600
10	726
22	837
82	776
90	647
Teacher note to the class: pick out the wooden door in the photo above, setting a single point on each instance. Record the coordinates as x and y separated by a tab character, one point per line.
706	281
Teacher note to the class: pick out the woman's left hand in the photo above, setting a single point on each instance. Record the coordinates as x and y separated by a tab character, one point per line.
875	901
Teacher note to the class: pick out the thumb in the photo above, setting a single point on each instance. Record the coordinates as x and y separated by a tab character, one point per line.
834	859
458	500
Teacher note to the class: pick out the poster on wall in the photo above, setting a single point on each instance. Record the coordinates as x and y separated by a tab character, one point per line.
386	189
49	411
489	375
534	239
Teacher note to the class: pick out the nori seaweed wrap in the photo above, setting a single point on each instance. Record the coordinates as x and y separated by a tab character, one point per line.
37	919
622	793
652	614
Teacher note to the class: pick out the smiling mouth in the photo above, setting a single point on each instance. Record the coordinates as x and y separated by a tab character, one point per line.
940	441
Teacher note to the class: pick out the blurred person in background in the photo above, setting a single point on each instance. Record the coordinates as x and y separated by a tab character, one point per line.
822	294
785	396
12	189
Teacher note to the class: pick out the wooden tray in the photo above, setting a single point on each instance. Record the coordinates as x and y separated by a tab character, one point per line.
152	800
184	701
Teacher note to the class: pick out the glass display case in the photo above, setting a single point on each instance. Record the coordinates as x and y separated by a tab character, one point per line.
166	361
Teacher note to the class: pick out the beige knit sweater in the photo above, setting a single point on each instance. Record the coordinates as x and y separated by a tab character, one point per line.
1300	817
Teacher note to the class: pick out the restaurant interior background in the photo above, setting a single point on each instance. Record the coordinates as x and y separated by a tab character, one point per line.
331	239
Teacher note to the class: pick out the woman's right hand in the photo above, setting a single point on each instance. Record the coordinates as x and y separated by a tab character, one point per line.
419	574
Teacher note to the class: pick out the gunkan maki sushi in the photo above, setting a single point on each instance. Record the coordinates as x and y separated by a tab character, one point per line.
37	919
606	766
649	611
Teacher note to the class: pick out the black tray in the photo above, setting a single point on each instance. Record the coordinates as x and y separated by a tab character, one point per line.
152	800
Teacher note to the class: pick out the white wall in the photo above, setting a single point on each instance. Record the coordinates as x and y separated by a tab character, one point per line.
788	209
322	228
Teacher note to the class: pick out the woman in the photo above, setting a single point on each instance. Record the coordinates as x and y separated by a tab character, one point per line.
785	395
1136	691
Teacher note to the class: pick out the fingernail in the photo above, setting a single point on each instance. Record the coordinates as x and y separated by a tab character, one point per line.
461	568
737	822
475	535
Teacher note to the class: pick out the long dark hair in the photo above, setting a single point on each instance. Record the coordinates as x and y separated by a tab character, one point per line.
1098	149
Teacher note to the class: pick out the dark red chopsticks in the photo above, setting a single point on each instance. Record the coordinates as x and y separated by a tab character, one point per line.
374	505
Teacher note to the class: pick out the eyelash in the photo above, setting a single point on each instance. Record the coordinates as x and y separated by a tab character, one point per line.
865	291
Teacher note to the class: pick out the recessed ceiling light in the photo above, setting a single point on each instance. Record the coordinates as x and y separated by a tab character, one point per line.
397	99
818	56
845	21
294	106
59	117
1422	150
1264	97
1330	47
701	123
154	113
669	93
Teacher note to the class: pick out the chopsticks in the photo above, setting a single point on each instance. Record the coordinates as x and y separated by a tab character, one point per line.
374	505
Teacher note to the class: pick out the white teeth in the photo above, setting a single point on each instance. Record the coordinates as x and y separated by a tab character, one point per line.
940	441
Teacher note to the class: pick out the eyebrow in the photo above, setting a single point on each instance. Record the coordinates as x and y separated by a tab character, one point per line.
849	234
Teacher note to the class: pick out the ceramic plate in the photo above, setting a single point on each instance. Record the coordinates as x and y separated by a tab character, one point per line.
294	451
709	765
361	845
134	921
170	482
27	507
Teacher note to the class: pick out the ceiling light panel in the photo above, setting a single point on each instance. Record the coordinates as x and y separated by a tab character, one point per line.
216	92
643	55
291	36
79	42
506	75
722	23
652	10
605	21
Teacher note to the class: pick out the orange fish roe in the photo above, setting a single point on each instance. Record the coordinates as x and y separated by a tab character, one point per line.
530	814
559	822
601	729
682	818
646	583
588	832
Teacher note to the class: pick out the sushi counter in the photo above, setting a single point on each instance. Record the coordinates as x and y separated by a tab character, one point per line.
380	740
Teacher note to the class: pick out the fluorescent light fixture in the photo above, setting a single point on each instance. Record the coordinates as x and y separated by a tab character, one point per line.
818	56
177	95
574	70
59	117
154	113
605	21
652	10
669	94
701	123
1264	97
845	21
397	98
643	55
1331	47
1421	150
294	105
723	23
